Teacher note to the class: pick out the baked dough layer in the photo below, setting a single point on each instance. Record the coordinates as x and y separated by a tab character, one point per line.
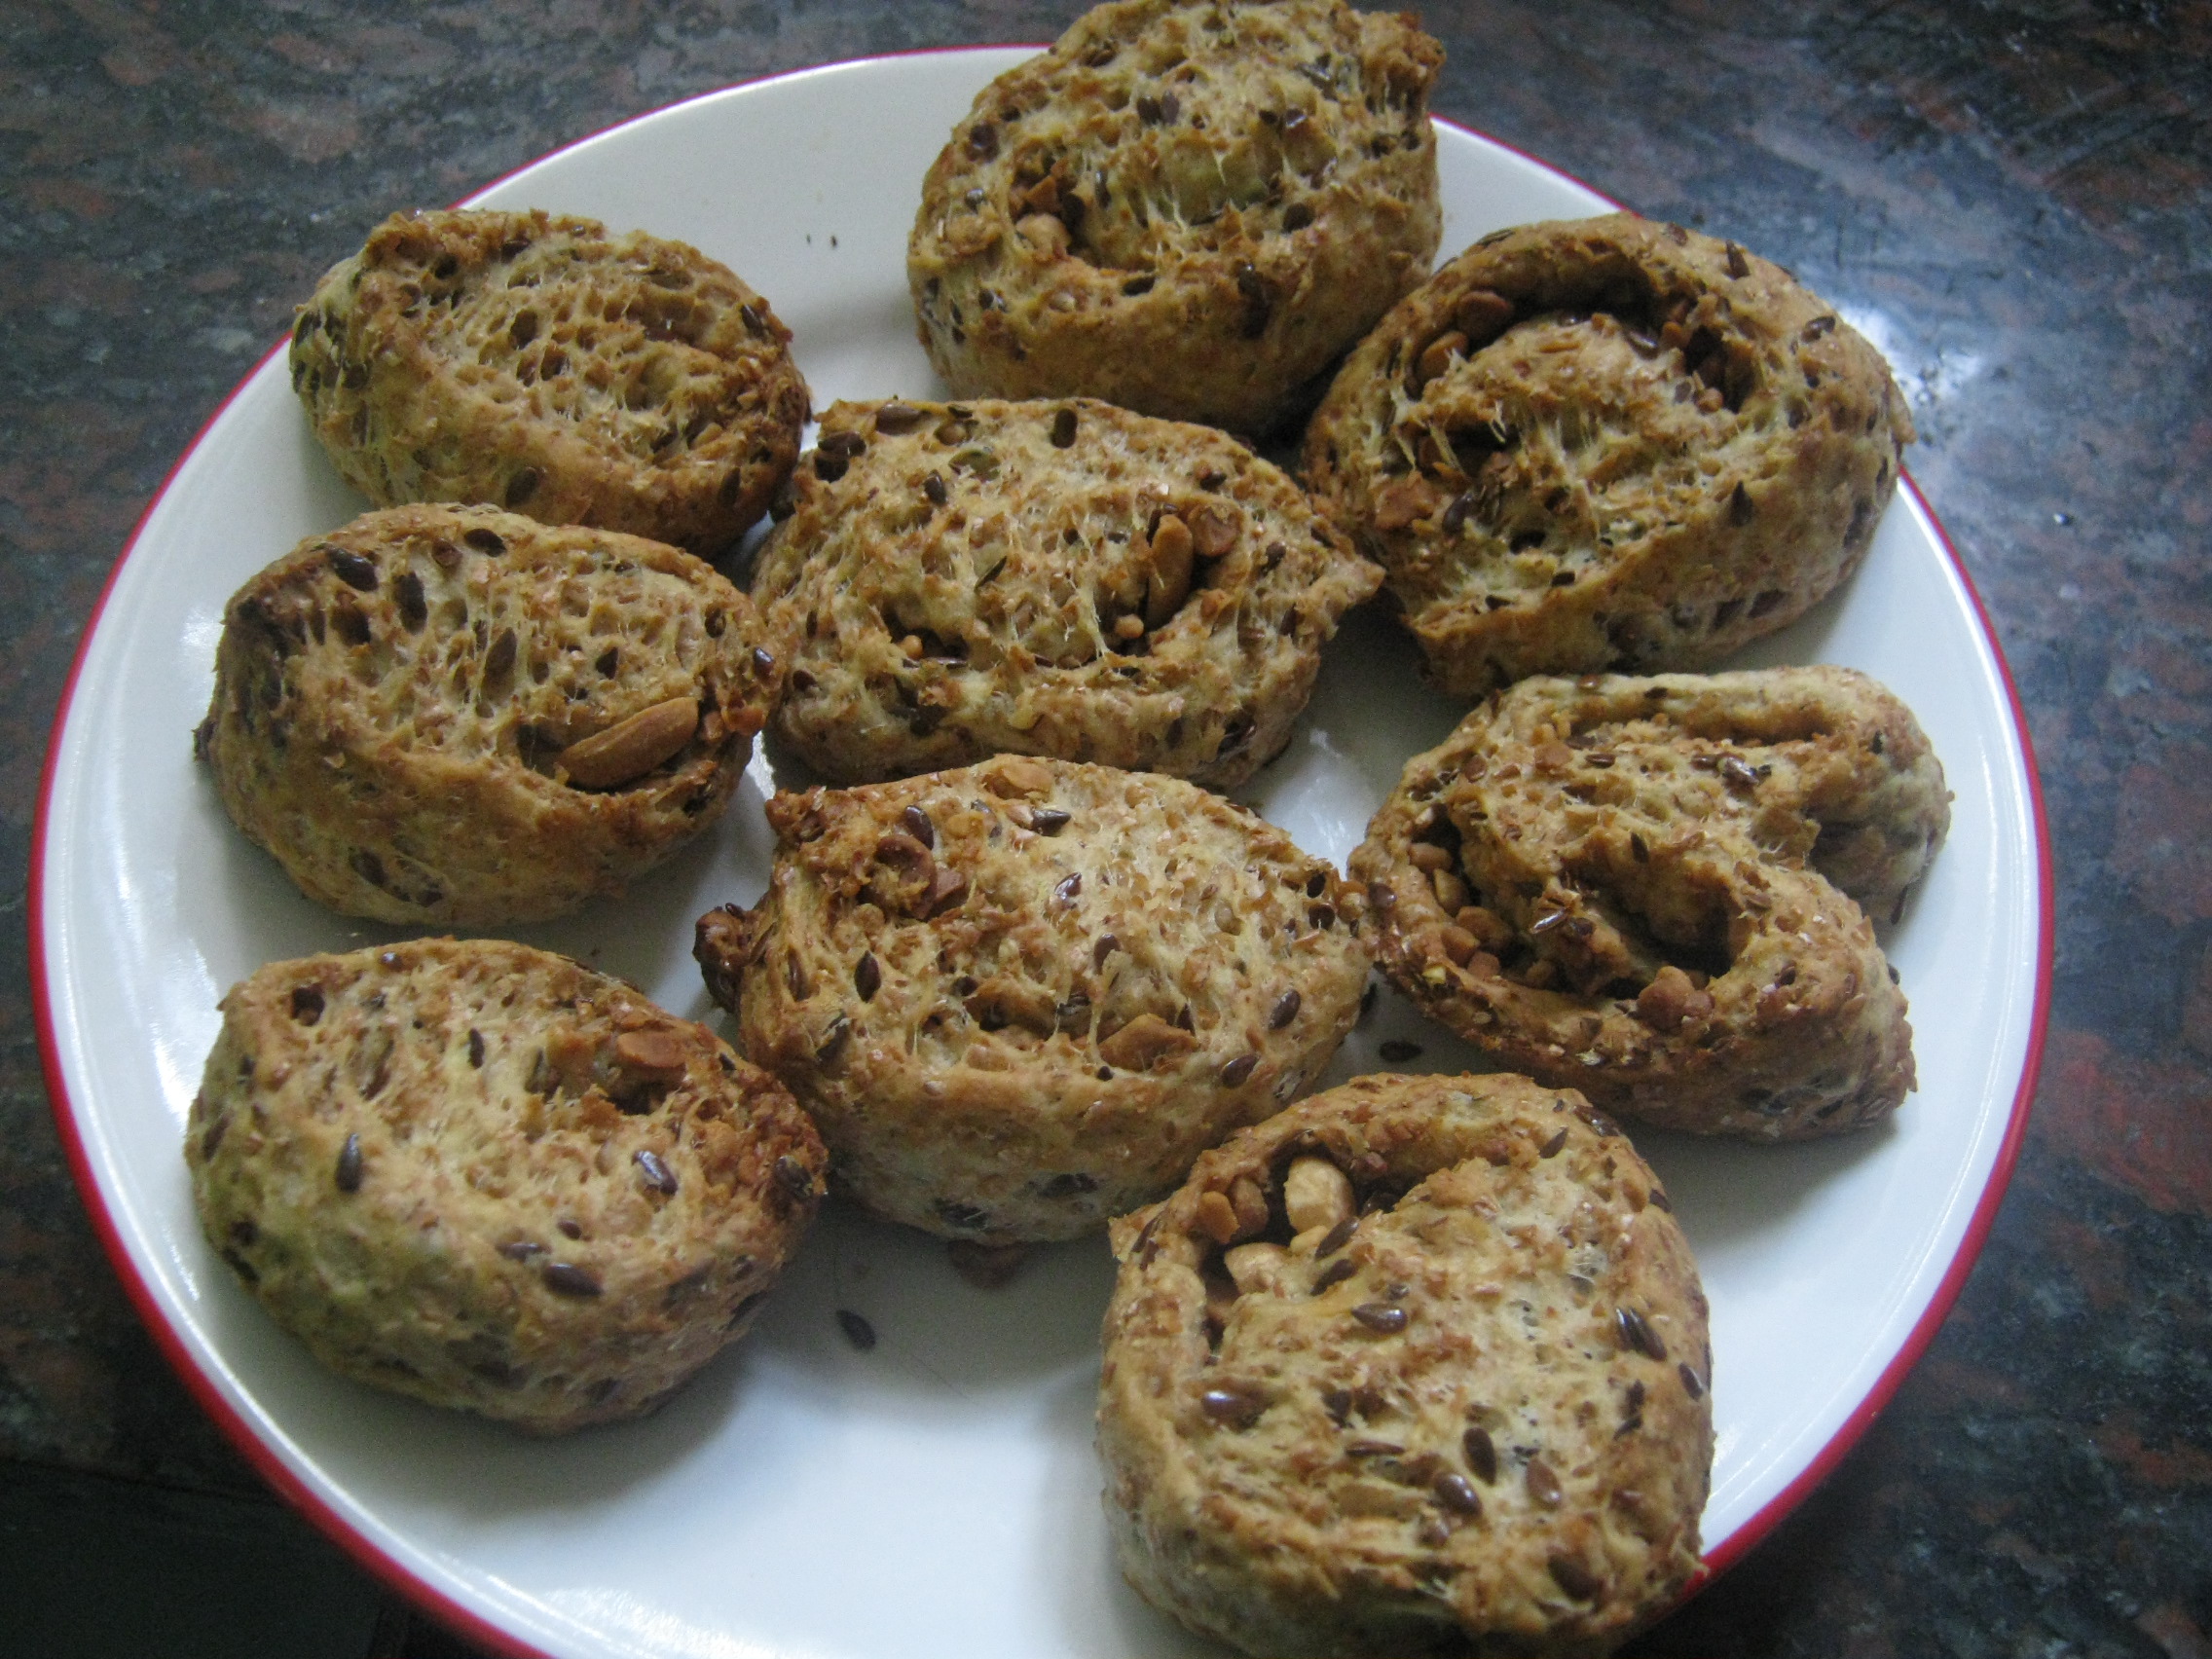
1054	578
1606	443
1657	891
460	717
487	1177
545	365
1021	997
1190	209
1418	1366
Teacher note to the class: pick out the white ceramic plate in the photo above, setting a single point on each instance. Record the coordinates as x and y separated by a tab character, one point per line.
936	1496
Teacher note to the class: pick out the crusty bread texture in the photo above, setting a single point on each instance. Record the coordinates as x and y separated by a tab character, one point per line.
1051	577
1418	1366
545	365
487	1177
460	717
1021	997
1606	443
1657	891
1191	209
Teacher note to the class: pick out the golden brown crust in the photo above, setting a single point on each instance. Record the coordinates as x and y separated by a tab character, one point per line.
1606	443
543	365
1652	890
488	1178
1065	578
1418	1365
458	716
1190	209
1021	997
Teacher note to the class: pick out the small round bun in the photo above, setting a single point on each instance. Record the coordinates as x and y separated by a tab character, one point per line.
1416	1366
460	717
540	364
1657	891
1020	998
1606	443
488	1178
1190	209
1064	578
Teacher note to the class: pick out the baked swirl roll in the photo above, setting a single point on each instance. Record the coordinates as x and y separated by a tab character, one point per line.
1062	578
1416	1366
1606	443
1186	209
461	716
1021	997
1657	891
545	365
487	1177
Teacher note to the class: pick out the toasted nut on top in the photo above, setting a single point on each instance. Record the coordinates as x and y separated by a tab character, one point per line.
1438	357
660	1050
1144	1043
1315	1193
1217	1218
1671	998
1255	1267
1213	532
1018	777
630	749
1170	582
1451	891
1482	316
1250	1204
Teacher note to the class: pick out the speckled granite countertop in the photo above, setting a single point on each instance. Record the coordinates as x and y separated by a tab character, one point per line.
2023	193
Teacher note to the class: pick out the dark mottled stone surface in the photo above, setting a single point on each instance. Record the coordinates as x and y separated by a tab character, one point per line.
2022	192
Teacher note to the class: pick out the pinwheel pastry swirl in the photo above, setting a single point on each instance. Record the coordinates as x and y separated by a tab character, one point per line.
1416	1366
545	365
1186	207
1657	891
1021	997
1061	577
461	716
1606	443
487	1177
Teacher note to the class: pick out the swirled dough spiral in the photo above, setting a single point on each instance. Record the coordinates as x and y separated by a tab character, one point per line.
1190	209
1656	891
1606	443
1416	1366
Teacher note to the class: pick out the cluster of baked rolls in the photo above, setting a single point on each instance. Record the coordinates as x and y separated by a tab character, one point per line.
1411	1362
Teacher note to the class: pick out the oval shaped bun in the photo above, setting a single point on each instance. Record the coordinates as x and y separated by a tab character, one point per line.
543	365
1606	443
1064	578
488	1178
458	716
1021	997
1187	209
1418	1366
1657	891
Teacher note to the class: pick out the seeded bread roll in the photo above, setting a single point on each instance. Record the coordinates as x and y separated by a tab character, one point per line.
1022	997
1190	209
488	1178
1418	1366
540	364
1657	891
1062	578
1606	443
459	716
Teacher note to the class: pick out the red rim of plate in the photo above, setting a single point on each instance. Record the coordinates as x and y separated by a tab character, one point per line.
473	1625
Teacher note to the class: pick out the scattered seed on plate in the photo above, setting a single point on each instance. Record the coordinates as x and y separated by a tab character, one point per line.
857	1331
